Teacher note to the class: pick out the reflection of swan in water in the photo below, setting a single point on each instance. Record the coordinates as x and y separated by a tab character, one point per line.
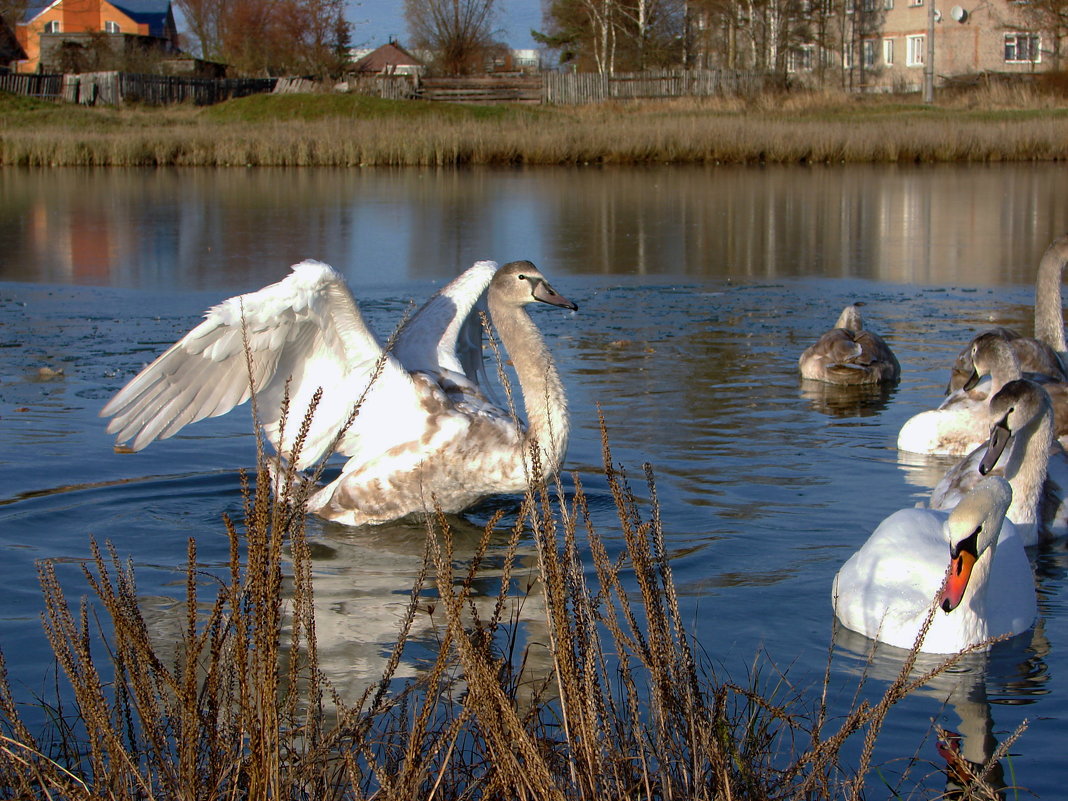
924	470
848	354
885	590
1013	670
362	584
425	437
836	400
362	581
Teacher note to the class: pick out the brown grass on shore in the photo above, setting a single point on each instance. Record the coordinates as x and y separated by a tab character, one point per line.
991	123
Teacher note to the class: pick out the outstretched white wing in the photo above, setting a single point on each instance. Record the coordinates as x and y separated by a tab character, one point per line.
305	330
446	333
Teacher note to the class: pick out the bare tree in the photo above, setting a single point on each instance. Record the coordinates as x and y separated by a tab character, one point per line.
1050	17
458	32
12	11
205	20
271	37
611	35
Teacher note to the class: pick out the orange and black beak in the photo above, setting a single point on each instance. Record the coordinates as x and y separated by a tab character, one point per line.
962	557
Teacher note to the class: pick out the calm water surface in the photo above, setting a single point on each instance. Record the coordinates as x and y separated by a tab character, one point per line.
698	289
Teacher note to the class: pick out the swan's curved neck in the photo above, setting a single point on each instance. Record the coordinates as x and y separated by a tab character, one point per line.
543	392
1005	368
1026	469
1049	320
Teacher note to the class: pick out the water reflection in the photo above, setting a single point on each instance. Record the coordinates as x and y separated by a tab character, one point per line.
234	228
363	580
963	746
836	400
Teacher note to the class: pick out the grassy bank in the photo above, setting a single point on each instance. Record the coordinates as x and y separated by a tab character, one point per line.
347	131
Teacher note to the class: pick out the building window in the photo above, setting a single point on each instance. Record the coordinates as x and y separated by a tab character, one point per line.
888	5
915	47
52	26
867	53
111	27
847	57
915	2
802	58
1022	47
888	52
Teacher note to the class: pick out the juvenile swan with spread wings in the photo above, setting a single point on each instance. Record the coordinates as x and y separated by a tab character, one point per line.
425	437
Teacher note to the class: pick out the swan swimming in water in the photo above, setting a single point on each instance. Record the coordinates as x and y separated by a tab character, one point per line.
885	590
849	354
425	436
1022	449
1045	352
961	423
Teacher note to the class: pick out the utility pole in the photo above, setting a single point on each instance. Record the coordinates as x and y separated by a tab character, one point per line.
928	61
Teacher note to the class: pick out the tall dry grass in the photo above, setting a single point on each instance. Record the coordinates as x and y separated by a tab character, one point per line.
242	709
990	124
240	706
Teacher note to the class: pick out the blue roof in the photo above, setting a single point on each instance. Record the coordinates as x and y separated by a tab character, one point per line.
152	12
142	8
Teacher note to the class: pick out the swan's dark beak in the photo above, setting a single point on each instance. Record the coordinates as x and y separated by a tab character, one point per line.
995	446
546	294
973	379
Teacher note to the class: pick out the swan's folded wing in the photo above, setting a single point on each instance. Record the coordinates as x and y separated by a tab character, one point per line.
446	333
304	333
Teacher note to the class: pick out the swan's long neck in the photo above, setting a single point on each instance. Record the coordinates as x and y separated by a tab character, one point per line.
1026	469
543	392
1005	367
1049	320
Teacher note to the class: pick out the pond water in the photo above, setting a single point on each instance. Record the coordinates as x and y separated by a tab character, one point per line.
698	288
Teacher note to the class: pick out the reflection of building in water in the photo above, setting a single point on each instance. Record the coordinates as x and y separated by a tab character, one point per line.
899	224
971	225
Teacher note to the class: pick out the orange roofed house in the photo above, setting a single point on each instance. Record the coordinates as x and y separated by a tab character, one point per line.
46	26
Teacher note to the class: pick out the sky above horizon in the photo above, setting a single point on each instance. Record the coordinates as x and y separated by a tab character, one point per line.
375	22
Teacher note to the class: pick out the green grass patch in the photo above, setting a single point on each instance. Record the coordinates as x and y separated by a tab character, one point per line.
310	107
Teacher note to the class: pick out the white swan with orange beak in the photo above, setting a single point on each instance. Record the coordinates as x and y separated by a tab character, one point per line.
970	561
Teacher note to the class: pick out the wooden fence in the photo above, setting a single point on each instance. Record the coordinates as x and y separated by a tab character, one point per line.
487	89
575	88
113	88
49	87
559	88
566	88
